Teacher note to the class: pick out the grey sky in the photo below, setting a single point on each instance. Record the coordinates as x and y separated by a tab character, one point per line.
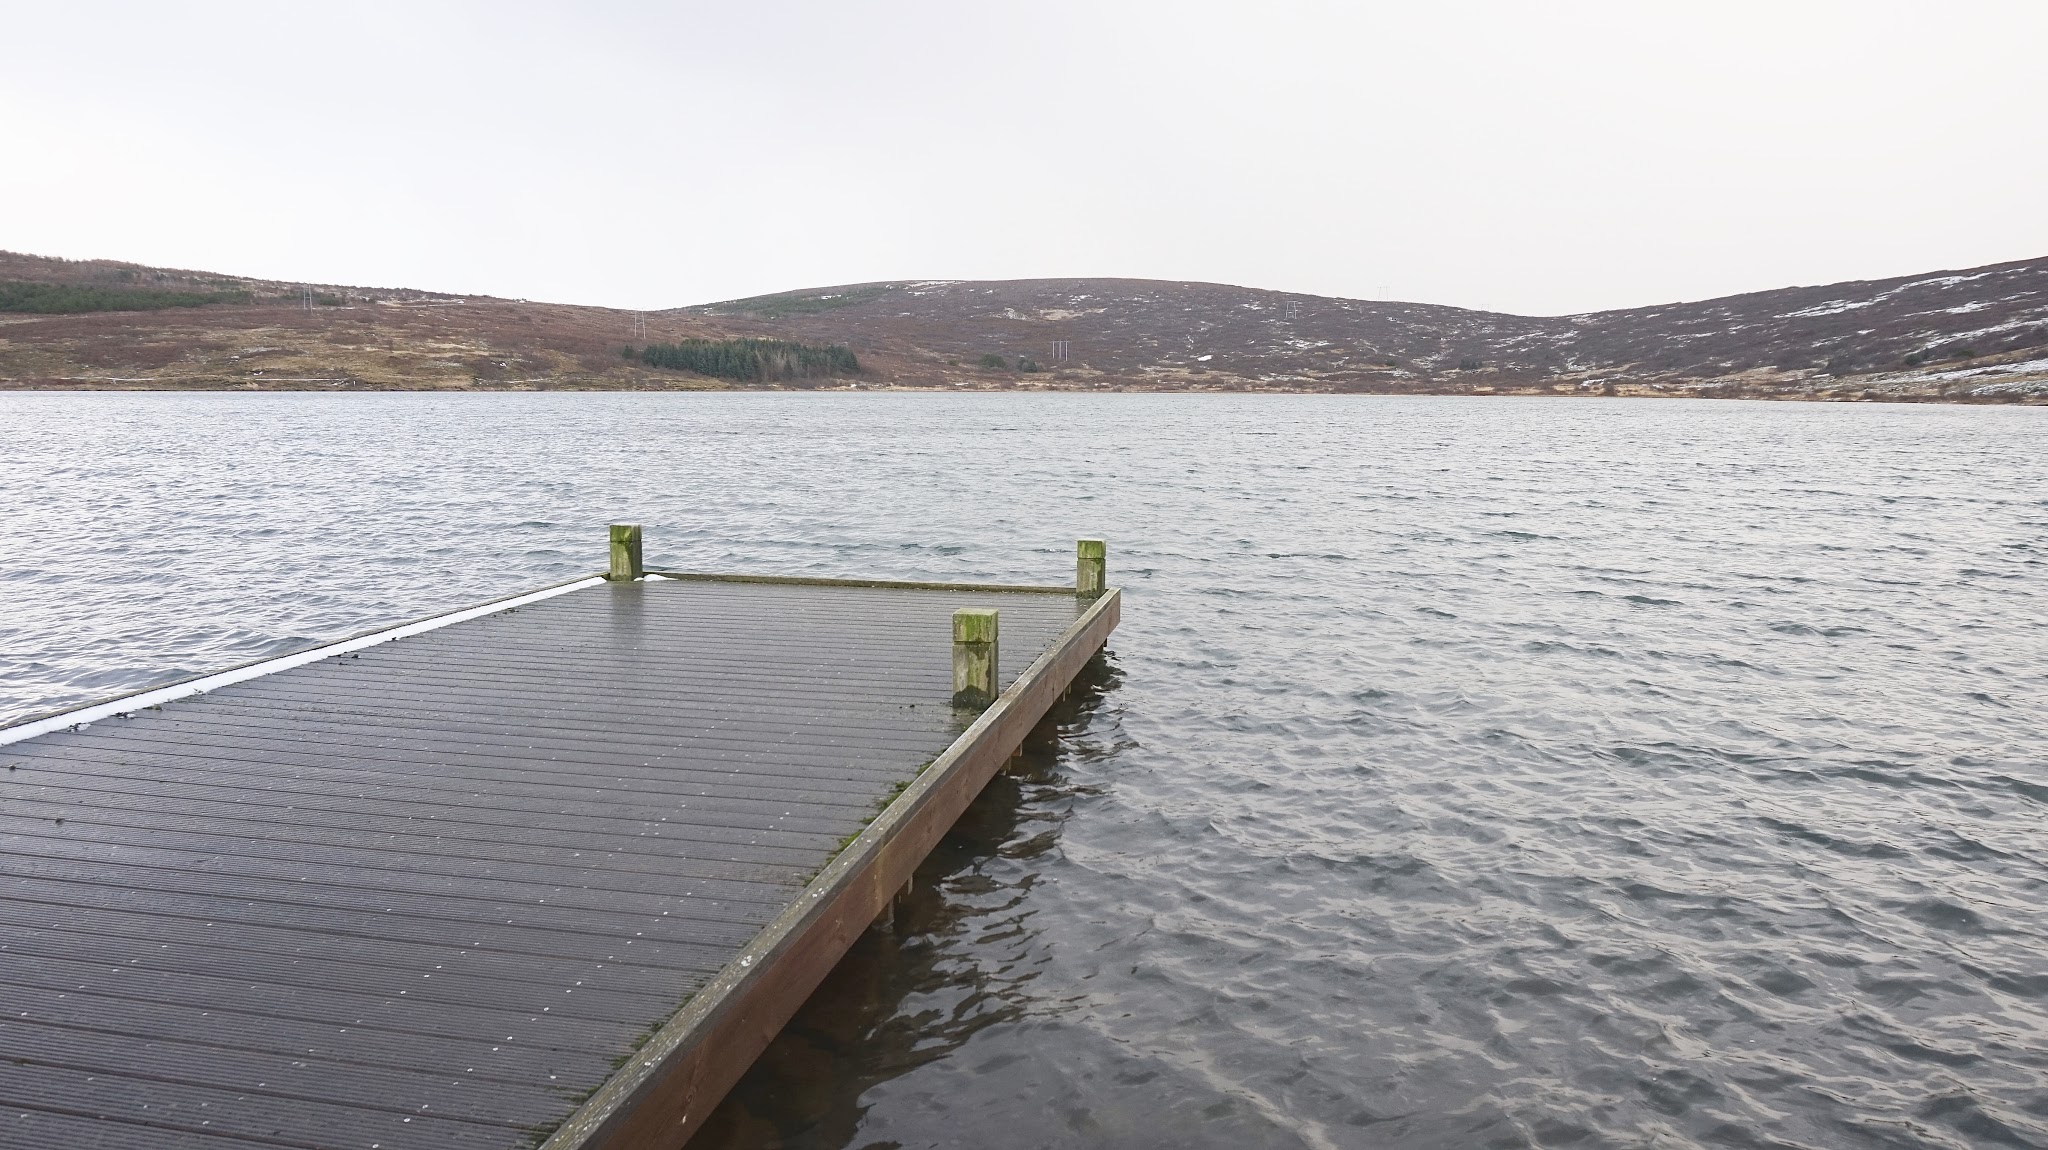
1531	157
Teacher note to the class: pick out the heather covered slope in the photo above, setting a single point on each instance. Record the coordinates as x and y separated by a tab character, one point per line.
312	337
1943	333
1979	335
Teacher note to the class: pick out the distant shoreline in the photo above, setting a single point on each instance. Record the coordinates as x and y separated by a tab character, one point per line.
2004	399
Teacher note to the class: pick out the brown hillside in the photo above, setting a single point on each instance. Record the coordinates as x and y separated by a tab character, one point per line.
1976	336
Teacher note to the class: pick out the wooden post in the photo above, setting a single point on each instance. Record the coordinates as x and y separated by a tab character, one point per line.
974	657
899	907
625	552
1091	567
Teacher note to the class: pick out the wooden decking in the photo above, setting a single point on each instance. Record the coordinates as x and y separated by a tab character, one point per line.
549	876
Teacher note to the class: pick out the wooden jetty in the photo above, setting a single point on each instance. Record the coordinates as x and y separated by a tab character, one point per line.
550	872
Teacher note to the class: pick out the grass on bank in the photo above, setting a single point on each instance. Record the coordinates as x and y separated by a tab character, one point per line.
796	303
71	299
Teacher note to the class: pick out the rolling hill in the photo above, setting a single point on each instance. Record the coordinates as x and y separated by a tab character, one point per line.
1977	335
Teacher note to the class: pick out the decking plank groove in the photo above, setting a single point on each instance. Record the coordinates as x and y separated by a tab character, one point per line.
532	876
775	754
232	1029
165	940
26	820
668	841
302	1078
488	889
679	820
592	1002
251	763
318	1005
809	811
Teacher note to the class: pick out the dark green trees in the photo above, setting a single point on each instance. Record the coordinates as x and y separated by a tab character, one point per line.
750	360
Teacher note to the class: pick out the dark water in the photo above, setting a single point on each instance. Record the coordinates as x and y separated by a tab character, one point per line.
1466	773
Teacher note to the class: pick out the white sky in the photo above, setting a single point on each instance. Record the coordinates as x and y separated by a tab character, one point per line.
1521	156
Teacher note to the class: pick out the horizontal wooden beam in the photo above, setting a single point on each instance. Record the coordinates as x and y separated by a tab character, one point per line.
902	584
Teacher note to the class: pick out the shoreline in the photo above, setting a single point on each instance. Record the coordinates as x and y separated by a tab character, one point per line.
355	387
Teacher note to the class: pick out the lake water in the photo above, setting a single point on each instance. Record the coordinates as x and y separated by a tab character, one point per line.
1466	773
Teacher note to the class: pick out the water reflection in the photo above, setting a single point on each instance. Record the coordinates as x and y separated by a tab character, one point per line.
958	955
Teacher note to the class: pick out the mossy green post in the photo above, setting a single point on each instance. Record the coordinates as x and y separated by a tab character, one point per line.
974	657
625	552
1091	567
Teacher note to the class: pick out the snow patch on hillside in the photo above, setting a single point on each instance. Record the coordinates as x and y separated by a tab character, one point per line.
2029	367
1836	306
1832	307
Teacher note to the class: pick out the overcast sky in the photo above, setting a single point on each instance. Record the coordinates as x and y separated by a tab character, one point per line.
1520	156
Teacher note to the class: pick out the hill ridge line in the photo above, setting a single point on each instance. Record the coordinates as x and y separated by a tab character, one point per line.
1973	335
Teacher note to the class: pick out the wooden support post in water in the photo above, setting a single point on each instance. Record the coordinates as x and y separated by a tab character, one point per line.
974	657
899	908
1091	563
625	552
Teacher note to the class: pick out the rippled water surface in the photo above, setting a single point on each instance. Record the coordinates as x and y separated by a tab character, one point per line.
1466	773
